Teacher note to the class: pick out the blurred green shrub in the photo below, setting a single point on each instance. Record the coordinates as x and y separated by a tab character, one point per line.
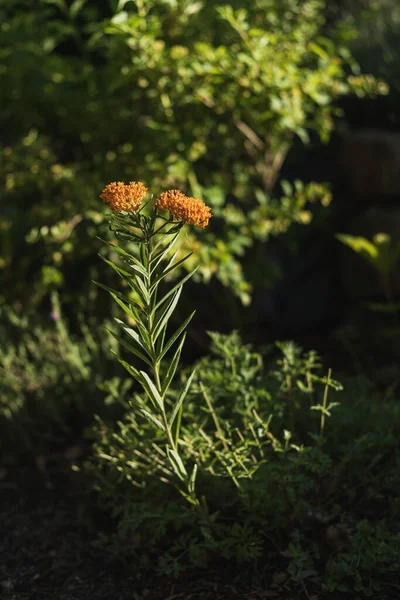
51	383
173	92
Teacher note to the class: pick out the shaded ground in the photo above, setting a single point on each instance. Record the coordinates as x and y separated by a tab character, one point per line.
49	551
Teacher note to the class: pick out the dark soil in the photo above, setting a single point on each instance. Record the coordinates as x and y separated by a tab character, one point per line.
51	548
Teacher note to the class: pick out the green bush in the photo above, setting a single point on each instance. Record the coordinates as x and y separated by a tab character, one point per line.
176	93
274	482
52	382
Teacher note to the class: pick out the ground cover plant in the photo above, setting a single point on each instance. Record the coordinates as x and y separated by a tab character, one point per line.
254	458
53	381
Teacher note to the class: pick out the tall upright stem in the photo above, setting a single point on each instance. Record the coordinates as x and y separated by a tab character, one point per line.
155	362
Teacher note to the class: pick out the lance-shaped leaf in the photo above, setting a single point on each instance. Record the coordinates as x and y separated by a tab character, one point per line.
157	258
176	335
171	268
177	464
165	315
172	290
131	348
132	282
122	228
143	289
143	331
135	336
158	276
181	398
132	310
171	260
127	256
152	419
159	244
127	236
131	307
143	256
152	391
116	268
173	366
131	370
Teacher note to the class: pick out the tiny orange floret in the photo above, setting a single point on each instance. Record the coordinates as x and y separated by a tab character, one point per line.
124	197
184	208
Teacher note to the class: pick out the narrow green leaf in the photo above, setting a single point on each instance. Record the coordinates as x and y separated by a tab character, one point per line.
171	265
160	342
131	370
143	289
192	481
143	343
132	308
152	391
143	330
170	269
143	256
133	284
177	464
127	236
131	348
134	281
152	419
164	317
156	260
173	366
179	284
158	277
171	260
129	257
155	248
132	312
177	426
116	268
181	398
176	335
120	295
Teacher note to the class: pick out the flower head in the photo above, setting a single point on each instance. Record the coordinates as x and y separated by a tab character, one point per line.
124	197
184	208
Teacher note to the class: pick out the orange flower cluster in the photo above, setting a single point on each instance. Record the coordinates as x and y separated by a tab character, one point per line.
184	208
124	197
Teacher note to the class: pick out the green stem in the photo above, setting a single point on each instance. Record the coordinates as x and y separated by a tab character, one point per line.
155	361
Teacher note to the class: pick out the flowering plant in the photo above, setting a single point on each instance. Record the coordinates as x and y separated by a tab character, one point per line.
157	234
